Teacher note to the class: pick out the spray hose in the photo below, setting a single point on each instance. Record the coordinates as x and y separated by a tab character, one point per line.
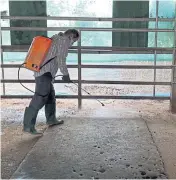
25	86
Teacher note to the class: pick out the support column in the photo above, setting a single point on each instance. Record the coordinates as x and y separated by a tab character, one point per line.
173	87
26	8
79	73
130	9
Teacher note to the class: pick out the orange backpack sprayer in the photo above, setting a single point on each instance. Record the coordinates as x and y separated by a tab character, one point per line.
36	55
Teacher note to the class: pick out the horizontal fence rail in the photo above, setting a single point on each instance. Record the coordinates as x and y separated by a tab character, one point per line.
95	50
84	29
91	97
86	18
98	49
93	82
105	66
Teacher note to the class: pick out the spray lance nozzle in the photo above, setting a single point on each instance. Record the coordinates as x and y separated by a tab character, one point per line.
89	94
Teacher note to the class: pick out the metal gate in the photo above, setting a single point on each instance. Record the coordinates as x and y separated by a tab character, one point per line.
98	50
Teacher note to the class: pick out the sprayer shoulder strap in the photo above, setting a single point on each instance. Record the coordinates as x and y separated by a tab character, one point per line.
47	62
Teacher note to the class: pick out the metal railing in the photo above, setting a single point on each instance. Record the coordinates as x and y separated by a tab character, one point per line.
96	50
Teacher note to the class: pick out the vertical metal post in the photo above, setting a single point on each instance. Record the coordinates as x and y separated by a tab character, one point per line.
173	80
79	73
2	62
156	45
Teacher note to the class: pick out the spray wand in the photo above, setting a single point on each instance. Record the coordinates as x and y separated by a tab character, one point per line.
89	94
53	78
84	91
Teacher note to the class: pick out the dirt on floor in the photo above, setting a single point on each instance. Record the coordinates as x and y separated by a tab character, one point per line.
15	145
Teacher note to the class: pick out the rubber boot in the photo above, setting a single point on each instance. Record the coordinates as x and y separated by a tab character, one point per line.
29	121
50	113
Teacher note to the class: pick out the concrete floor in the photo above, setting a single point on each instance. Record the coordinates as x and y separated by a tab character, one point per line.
103	143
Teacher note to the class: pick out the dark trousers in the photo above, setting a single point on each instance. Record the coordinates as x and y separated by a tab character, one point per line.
44	96
44	92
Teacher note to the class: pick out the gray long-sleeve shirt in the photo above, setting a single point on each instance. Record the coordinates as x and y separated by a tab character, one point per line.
59	48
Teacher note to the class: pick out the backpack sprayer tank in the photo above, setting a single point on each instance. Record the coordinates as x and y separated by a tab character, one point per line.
36	56
37	53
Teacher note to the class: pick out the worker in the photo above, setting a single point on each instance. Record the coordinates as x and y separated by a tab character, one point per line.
44	89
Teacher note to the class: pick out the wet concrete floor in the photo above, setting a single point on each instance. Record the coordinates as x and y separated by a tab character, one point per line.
103	143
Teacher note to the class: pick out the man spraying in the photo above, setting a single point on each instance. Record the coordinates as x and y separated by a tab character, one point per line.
44	89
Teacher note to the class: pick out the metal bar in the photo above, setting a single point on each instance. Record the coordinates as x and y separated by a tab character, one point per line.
126	82
30	96
100	50
127	97
2	62
17	48
91	51
128	66
126	48
115	52
156	44
25	48
112	52
79	73
91	97
83	29
94	82
29	81
18	65
124	52
106	66
83	18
